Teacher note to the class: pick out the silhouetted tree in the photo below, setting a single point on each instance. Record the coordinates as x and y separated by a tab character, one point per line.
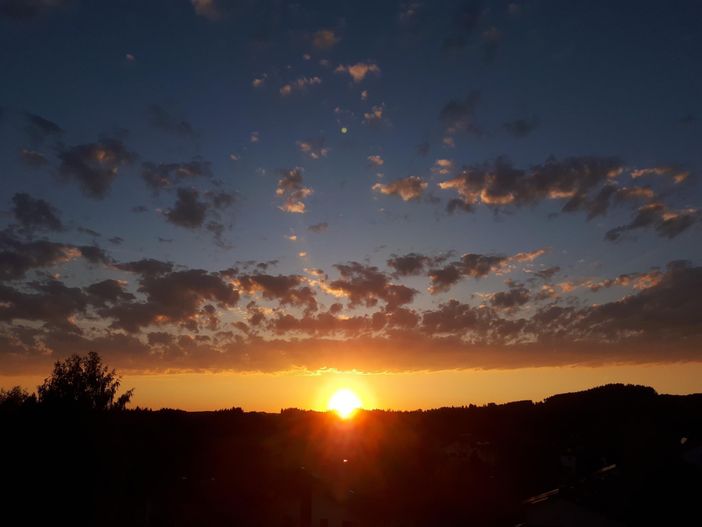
15	398
83	383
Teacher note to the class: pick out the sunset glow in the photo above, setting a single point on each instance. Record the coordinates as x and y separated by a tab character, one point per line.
345	403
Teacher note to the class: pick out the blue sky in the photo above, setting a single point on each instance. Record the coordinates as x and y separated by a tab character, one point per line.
430	129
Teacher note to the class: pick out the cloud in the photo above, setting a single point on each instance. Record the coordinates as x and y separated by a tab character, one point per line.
35	214
325	39
94	166
291	190
665	222
208	9
376	161
319	227
409	188
457	116
515	297
32	158
547	273
18	257
676	174
475	266
313	148
413	264
162	119
165	175
491	40
172	297
52	303
366	285
657	323
107	292
258	82
501	184
146	267
39	129
299	84
358	71
375	115
291	290
189	211
442	167
521	127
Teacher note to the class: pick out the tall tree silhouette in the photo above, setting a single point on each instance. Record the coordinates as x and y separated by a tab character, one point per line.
83	383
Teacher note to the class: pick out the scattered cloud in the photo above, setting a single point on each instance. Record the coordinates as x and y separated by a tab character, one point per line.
325	39
35	213
359	71
299	84
94	166
291	190
409	188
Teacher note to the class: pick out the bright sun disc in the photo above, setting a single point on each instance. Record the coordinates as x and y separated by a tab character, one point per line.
344	402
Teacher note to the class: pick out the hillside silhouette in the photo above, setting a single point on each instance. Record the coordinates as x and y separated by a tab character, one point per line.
611	455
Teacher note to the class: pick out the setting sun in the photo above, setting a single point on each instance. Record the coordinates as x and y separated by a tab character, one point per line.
344	402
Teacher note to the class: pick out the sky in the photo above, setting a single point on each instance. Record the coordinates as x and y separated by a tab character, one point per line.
249	203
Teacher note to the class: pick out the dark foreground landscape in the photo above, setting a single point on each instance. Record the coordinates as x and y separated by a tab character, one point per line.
612	455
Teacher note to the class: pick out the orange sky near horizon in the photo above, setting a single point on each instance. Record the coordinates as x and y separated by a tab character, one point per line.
398	391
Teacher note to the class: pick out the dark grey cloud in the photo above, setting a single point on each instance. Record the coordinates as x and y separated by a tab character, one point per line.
172	297
189	210
547	273
35	213
413	264
521	127
39	129
32	158
164	120
366	285
319	227
166	175
52	303
94	166
107	292
18	256
469	265
666	223
146	267
516	296
291	190
24	9
291	290
94	254
458	115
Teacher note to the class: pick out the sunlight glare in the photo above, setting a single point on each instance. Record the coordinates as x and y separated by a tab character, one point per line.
344	402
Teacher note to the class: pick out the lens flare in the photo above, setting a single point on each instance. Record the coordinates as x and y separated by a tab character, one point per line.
344	402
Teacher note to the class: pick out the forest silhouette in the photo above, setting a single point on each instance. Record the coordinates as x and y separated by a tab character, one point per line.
616	454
